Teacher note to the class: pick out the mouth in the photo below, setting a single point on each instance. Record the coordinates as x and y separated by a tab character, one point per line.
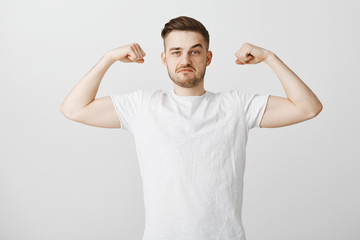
185	70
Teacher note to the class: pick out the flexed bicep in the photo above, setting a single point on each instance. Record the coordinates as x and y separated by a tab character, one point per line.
99	113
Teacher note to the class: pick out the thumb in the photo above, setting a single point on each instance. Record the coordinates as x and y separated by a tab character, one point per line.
140	61
238	62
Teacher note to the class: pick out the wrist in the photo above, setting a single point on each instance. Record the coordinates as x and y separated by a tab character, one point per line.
109	57
269	56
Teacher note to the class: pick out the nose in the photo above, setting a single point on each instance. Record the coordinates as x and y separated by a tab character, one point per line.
185	60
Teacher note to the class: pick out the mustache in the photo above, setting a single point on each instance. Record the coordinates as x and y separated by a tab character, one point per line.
183	67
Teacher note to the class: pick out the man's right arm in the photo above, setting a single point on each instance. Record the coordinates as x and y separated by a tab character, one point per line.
80	104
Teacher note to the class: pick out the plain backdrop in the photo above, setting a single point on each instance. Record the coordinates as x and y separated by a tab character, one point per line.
61	179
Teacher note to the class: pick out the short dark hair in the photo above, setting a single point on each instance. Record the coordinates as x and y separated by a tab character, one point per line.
184	23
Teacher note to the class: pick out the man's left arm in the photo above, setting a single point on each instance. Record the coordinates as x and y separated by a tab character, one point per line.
301	103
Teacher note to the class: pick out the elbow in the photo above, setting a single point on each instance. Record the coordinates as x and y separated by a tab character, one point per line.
65	112
317	110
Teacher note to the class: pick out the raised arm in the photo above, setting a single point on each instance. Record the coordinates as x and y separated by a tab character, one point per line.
301	103
80	104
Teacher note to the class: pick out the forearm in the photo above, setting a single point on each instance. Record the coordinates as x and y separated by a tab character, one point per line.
296	90
86	89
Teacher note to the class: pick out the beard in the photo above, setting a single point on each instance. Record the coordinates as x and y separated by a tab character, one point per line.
187	79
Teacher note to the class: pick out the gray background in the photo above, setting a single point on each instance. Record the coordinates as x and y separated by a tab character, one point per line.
61	179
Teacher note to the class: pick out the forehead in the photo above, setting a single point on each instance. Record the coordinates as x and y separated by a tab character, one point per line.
183	39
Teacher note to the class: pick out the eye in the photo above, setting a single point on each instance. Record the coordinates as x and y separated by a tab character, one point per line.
195	51
175	52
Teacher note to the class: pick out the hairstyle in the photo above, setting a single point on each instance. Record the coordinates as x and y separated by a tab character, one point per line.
184	23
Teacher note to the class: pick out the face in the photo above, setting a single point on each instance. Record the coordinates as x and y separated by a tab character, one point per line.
186	57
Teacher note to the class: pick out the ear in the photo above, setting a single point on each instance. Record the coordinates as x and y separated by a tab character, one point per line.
163	58
208	58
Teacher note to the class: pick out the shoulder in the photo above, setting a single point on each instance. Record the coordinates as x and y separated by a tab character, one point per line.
145	93
232	94
146	96
242	95
137	95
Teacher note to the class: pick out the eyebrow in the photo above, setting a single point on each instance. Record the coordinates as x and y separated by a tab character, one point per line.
178	48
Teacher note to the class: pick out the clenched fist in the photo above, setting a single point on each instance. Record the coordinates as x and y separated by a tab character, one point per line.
251	54
128	53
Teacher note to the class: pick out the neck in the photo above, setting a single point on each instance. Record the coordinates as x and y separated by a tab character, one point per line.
192	91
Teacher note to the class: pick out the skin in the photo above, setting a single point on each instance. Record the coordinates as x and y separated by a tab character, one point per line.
300	104
186	57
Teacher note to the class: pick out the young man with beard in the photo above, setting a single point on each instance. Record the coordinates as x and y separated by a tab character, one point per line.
190	142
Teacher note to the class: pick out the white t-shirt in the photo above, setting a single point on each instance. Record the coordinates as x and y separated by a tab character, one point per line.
191	152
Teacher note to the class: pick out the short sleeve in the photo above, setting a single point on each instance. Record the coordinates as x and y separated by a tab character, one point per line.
254	106
127	106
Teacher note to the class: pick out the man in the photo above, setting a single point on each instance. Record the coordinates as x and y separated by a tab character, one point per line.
191	142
